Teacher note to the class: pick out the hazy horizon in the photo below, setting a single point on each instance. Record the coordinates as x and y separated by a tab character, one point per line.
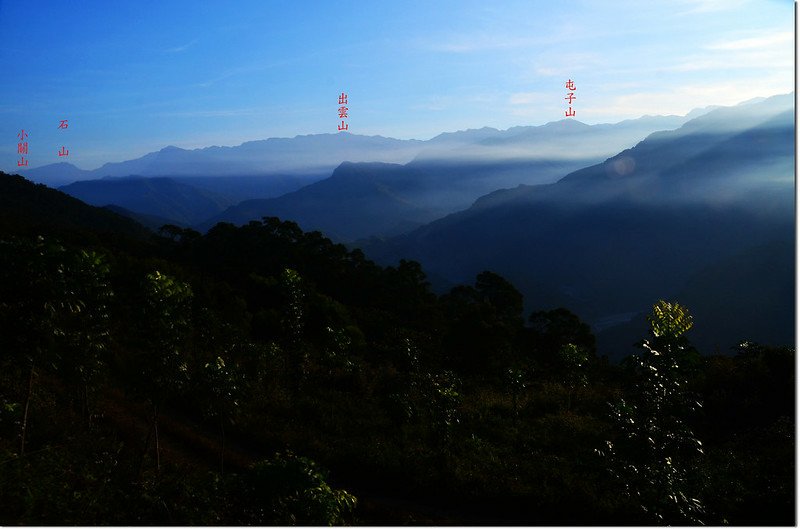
135	79
475	154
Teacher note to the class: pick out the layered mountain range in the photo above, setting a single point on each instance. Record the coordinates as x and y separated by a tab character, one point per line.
448	174
256	179
600	219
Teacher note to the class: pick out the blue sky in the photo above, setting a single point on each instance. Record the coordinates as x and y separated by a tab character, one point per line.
133	77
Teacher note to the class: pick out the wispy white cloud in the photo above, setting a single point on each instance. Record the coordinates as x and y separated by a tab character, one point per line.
182	48
533	106
445	102
748	61
771	50
758	52
694	7
268	63
233	72
683	99
566	64
513	37
529	98
474	43
771	40
229	112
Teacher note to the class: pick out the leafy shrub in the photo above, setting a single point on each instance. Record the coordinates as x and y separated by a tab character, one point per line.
288	490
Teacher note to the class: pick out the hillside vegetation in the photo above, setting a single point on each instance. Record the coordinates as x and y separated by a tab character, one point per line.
265	375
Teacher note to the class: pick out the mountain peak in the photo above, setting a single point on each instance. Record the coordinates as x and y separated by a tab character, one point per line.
567	123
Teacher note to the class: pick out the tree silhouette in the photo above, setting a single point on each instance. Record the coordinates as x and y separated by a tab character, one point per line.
484	325
551	330
220	390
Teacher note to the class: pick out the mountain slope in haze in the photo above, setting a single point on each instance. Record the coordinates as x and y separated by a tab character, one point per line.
33	209
151	222
357	200
474	163
727	153
57	174
610	239
748	296
160	197
238	188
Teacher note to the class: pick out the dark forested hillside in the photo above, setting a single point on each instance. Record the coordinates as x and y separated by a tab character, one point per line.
264	375
34	208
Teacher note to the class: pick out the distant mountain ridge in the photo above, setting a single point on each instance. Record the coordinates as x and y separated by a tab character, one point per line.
301	155
274	157
566	138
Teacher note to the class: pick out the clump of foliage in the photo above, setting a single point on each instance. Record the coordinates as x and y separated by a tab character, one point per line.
287	490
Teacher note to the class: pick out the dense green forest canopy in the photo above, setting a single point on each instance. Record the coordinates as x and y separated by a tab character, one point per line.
264	375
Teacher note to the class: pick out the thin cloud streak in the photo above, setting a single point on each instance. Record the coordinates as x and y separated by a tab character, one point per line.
212	113
486	42
710	6
681	100
771	40
179	49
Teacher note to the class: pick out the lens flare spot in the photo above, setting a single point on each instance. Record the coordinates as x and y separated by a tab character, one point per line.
621	166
